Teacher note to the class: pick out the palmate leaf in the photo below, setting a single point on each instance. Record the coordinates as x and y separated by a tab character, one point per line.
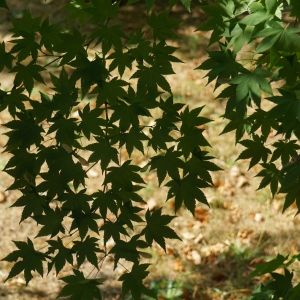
113	229
105	201
121	60
251	84
167	163
129	213
281	38
187	191
157	229
79	287
122	177
6	58
32	260
270	176
87	249
128	249
102	10
26	74
133	282
63	255
285	150
255	150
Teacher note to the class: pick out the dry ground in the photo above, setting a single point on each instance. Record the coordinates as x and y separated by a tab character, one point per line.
219	245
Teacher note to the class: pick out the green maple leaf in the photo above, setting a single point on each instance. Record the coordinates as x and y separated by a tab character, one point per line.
159	138
105	201
293	194
162	25
65	129
129	213
121	60
256	18
26	23
42	110
251	84
31	260
110	91
151	77
76	39
90	121
102	10
89	72
167	163
86	250
122	177
128	250
255	150
26	74
187	191
278	37
52	221
222	66
157	229
33	205
83	221
287	109
113	229
6	58
127	196
76	201
133	139
49	35
13	100
76	10
199	165
27	46
191	141
22	161
78	287
103	151
285	150
62	256
25	131
109	37
270	176
133	282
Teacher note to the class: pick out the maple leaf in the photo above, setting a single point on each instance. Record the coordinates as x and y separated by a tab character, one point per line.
103	151
63	255
52	221
279	37
287	109
105	201
76	201
27	46
113	229
128	250
159	138
110	91
25	131
255	150
167	163
79	287
102	10
285	150
133	282
33	205
251	84
90	121
26	74
109	36
76	39
151	77
270	176
49	35
162	25
13	101
187	191
133	139
123	176
43	109
86	250
129	213
89	72
83	221
6	58
121	60
157	229
31	260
